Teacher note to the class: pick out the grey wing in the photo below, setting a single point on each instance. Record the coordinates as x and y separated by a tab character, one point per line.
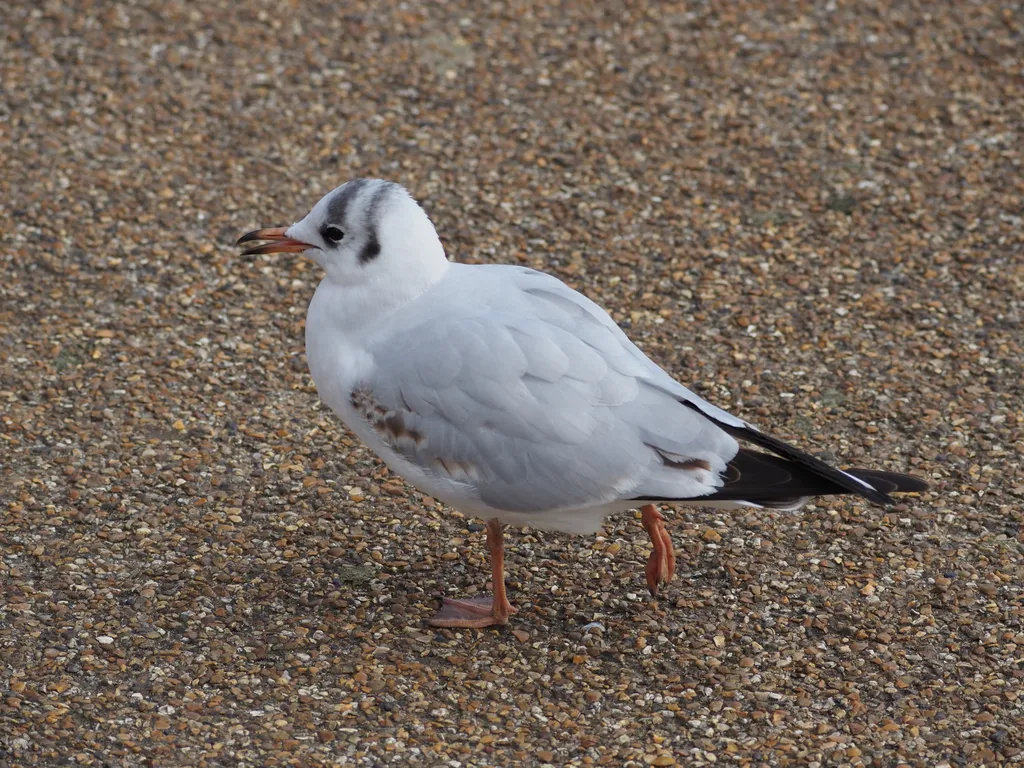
592	323
798	465
536	406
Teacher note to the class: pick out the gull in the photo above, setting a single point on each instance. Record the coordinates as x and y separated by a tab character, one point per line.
513	398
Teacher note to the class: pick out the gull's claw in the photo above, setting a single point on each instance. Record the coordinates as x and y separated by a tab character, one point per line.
661	565
474	612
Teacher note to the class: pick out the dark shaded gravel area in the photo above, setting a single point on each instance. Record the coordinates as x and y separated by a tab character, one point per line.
811	212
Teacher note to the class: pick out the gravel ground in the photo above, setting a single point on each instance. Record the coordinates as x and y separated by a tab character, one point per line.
811	212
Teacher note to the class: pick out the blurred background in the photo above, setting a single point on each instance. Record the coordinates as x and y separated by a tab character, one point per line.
809	212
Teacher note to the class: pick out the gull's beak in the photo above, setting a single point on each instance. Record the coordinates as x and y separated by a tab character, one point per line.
280	243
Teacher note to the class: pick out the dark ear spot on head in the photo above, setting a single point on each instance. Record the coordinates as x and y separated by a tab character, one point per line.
337	209
370	251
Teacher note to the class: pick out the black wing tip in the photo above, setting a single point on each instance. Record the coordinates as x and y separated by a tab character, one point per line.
889	482
914	485
802	474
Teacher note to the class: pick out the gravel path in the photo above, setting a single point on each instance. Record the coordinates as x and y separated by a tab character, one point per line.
812	212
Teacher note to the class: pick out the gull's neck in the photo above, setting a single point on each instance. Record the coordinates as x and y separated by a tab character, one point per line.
352	308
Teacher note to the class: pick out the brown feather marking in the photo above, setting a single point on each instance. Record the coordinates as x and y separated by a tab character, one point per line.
456	470
394	428
691	464
390	425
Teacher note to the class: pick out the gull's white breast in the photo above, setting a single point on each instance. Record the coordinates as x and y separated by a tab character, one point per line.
338	327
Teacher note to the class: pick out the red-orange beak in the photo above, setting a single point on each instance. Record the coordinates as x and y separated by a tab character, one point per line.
279	242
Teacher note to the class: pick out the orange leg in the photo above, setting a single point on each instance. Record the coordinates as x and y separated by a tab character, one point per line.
661	565
481	611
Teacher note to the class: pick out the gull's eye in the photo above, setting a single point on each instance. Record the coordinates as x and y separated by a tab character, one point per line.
332	235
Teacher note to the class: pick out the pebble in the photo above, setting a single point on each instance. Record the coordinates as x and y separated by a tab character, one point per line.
811	214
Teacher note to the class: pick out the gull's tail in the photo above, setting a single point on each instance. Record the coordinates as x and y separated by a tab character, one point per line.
780	483
776	482
787	478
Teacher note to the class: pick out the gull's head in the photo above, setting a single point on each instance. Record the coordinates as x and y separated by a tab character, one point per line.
364	232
